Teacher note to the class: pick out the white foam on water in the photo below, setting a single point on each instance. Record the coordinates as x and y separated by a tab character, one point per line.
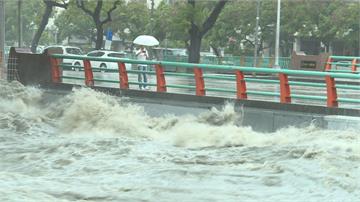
92	146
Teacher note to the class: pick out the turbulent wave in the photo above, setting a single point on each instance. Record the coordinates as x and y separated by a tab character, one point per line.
20	107
87	138
85	111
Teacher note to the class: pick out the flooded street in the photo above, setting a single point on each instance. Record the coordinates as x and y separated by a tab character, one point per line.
88	146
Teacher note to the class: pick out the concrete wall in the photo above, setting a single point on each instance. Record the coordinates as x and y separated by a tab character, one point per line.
260	115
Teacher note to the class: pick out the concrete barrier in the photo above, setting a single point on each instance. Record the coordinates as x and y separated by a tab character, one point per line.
262	116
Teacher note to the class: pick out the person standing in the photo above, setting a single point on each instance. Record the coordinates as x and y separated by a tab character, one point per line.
142	54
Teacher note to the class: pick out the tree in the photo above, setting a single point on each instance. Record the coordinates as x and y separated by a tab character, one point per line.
197	32
96	16
72	23
30	19
49	5
133	20
234	26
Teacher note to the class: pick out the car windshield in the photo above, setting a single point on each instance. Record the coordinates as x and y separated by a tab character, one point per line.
116	55
74	51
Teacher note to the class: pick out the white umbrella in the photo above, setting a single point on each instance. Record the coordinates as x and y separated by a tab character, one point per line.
146	40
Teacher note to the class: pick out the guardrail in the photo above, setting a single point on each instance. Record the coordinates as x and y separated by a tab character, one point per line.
200	88
350	64
247	61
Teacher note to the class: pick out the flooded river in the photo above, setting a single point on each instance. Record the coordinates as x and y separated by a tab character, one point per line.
88	146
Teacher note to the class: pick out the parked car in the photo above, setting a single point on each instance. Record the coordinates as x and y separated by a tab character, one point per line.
65	50
40	49
180	52
105	54
159	53
7	50
171	54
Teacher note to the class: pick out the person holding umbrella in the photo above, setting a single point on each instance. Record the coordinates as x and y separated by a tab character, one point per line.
142	54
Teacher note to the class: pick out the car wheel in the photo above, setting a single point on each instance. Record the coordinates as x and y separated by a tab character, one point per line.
103	67
77	68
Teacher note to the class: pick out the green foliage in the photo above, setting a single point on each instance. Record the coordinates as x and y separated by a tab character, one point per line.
328	21
235	23
30	20
73	20
133	17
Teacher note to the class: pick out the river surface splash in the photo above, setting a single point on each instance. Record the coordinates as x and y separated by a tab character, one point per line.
89	146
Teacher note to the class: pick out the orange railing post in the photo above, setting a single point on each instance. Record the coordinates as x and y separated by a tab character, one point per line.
240	85
331	92
123	77
55	70
328	64
353	65
89	78
285	96
160	78
199	81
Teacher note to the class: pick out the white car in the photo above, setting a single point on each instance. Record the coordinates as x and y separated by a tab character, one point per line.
105	54
65	50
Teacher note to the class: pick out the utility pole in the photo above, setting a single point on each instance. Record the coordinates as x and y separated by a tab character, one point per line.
276	65
152	17
2	36
152	7
20	27
256	32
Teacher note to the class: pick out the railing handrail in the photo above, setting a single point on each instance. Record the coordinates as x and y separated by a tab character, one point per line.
200	88
344	57
215	67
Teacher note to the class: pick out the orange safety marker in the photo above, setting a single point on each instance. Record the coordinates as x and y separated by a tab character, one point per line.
89	78
331	92
55	70
160	78
285	96
199	81
123	76
328	64
240	85
353	65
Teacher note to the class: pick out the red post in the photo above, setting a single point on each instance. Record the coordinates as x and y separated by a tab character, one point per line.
328	64
123	77
331	92
240	85
285	96
199	81
55	70
160	78
353	65
89	78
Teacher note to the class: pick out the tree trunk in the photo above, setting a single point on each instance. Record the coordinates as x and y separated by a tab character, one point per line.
99	37
216	50
44	22
95	14
196	33
194	48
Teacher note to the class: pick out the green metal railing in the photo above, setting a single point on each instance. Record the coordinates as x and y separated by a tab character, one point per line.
247	61
343	64
195	71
